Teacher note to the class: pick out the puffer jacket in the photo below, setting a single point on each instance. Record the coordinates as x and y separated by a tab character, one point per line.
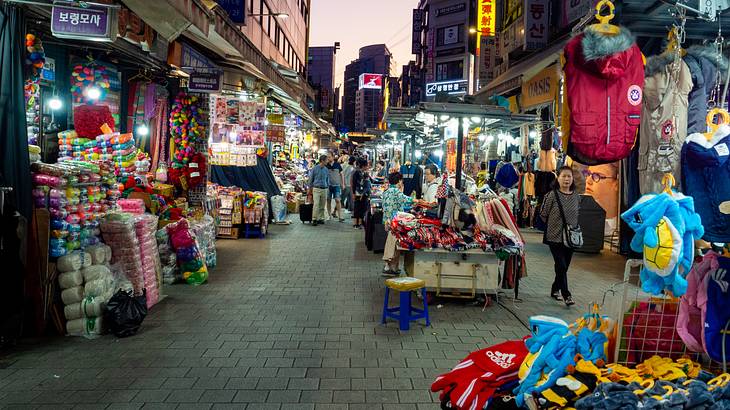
604	82
703	64
663	120
706	178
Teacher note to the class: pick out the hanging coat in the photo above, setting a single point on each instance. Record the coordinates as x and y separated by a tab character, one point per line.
703	64
604	80
663	121
706	178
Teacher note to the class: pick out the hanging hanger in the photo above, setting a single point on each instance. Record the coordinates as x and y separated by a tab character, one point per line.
668	183
723	117
604	27
674	43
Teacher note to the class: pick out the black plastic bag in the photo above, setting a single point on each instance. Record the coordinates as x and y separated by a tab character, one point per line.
124	313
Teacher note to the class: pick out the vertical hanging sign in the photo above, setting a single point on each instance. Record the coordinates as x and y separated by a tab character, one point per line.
536	24
486	20
417	29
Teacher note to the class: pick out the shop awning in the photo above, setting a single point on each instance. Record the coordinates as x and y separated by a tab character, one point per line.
512	78
405	119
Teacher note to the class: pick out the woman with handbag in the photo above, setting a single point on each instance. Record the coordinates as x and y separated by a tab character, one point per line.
560	210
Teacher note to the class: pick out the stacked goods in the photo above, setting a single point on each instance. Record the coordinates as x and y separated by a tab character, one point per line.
77	194
230	212
73	147
189	259
205	232
34	153
118	230
145	226
168	258
120	149
87	284
256	208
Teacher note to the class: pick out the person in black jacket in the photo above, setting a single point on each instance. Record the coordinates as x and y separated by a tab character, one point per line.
360	191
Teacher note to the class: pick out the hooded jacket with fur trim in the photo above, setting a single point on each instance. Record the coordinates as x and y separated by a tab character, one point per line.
663	120
706	178
604	83
703	64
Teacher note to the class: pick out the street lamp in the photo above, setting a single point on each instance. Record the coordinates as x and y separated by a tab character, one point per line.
472	30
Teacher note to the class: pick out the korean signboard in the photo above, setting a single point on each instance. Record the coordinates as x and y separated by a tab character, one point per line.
417	29
456	8
536	24
450	87
487	58
486	17
236	10
204	82
92	23
371	81
542	88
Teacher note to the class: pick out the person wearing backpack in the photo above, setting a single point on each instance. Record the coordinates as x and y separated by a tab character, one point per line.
560	210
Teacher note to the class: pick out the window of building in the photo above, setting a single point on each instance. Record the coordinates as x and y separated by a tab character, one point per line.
452	70
261	11
450	35
250	5
266	23
276	34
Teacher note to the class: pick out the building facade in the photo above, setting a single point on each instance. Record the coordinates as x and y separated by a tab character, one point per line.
411	85
284	41
321	76
375	59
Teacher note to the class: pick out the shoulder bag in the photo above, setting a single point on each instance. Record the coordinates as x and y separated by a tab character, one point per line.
572	235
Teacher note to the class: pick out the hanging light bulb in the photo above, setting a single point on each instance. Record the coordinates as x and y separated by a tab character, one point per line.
490	138
419	154
482	137
93	93
55	103
142	130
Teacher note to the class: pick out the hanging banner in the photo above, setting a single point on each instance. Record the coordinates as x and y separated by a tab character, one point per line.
486	17
417	29
542	88
536	24
97	23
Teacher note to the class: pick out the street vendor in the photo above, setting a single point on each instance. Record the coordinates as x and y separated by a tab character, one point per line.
430	175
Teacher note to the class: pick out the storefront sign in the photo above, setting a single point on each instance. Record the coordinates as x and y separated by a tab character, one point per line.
191	58
575	9
536	24
236	10
204	82
450	87
542	88
456	8
417	29
92	23
486	17
487	60
371	81
48	72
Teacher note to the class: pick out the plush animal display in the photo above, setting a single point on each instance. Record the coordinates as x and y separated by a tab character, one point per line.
666	226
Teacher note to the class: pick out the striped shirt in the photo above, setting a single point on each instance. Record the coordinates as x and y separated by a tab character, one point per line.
550	213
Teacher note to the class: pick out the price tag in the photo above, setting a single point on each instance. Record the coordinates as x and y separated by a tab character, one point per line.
722	150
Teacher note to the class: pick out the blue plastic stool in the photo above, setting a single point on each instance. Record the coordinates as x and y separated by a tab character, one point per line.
405	313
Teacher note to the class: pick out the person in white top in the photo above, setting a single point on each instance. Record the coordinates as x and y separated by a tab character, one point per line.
430	175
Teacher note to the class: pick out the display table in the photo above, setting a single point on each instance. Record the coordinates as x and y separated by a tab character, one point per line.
461	274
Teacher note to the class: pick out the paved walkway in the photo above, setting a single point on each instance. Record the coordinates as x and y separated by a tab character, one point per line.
290	322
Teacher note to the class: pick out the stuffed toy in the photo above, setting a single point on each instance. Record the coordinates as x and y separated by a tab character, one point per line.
666	227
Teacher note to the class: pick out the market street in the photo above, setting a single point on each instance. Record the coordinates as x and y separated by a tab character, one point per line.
291	322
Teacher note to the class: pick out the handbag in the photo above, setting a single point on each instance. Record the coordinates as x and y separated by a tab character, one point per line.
572	235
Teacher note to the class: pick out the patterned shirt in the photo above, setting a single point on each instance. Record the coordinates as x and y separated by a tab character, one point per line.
550	213
394	201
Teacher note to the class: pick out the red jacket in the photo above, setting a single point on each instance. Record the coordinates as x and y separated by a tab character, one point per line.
604	82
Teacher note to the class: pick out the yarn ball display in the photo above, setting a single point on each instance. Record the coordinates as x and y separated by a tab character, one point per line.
89	75
185	128
36	56
88	120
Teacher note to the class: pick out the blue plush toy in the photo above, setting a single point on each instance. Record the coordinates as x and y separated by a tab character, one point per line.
666	226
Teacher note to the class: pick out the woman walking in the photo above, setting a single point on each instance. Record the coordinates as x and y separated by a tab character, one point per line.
360	191
562	196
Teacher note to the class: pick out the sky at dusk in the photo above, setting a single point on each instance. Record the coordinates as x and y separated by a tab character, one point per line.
359	23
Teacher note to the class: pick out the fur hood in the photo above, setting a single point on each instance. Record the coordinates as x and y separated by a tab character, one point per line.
709	53
597	45
655	64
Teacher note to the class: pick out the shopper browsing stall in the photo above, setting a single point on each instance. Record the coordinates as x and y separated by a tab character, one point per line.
347	171
560	209
336	183
319	189
394	201
360	191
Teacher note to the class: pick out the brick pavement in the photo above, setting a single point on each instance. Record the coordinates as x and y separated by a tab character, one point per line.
290	322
